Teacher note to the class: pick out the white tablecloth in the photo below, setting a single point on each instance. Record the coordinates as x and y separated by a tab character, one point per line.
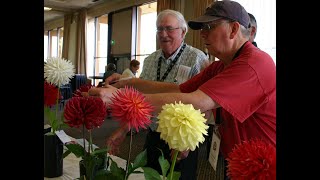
71	168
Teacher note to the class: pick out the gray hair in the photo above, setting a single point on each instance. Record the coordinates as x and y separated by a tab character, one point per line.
245	31
176	14
253	22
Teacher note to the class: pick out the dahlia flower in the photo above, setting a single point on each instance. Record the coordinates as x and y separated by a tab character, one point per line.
51	94
253	159
87	112
181	126
51	97
129	107
90	111
58	71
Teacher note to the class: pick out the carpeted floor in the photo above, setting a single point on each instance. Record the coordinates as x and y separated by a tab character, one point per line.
205	171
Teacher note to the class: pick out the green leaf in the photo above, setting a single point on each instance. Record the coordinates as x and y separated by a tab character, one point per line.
117	171
141	160
151	174
101	172
130	169
90	164
176	175
164	164
76	149
65	154
100	151
108	176
64	125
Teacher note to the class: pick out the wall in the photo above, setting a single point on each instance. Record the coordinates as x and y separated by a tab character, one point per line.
188	15
121	32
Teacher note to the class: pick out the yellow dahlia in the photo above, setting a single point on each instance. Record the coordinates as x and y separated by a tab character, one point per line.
181	126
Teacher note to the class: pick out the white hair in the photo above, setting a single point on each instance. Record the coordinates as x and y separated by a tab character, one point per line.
176	14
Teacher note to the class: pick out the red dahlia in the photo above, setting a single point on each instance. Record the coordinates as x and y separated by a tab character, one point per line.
254	159
129	107
90	111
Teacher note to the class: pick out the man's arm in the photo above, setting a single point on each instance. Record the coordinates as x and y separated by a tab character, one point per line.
151	87
198	99
146	86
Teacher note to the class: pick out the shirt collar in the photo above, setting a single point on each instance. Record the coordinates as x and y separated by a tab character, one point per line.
167	61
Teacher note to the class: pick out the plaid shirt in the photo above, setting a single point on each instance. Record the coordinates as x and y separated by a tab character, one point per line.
191	57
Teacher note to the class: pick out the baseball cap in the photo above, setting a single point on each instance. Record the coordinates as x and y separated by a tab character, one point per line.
222	9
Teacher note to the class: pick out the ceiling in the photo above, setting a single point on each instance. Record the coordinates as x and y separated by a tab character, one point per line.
62	7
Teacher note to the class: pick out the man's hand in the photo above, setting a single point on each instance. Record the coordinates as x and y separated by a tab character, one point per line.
105	93
116	139
114	77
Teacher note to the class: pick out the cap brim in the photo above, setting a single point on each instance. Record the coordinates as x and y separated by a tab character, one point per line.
198	23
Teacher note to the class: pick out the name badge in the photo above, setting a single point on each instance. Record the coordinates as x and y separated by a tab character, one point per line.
214	150
183	74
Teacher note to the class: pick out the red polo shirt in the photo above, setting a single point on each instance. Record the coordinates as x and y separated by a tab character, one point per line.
246	91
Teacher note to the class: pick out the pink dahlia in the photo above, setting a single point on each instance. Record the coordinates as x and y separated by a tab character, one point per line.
50	94
254	159
83	89
129	107
90	111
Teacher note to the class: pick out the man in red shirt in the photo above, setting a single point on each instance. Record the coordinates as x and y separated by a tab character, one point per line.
242	82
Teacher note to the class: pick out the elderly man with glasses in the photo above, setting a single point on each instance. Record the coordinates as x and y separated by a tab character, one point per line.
175	62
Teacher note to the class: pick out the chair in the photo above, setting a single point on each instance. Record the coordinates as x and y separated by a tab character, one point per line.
66	93
77	81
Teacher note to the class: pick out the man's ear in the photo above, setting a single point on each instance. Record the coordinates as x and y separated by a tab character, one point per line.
253	30
183	34
235	27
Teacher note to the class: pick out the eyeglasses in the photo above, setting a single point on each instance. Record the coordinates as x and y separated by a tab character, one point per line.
167	29
207	27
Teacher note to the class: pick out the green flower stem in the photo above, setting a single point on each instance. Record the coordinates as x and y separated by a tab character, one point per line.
128	161
84	142
90	142
53	129
173	163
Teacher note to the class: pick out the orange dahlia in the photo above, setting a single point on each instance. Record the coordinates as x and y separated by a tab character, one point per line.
90	111
254	159
129	107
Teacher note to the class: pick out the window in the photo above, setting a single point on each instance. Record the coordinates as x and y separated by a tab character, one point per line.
97	46
46	43
53	42
146	32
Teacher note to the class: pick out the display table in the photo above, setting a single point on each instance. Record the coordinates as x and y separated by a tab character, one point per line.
71	168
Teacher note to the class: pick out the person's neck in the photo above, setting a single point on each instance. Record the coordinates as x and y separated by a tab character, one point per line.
227	60
169	53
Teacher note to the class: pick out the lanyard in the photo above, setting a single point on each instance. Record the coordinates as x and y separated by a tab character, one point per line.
170	66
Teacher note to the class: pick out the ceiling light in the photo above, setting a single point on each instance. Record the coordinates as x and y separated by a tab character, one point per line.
47	8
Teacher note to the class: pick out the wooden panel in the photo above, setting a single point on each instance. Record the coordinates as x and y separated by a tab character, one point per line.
121	32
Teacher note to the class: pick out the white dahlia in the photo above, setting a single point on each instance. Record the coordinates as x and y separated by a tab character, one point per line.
181	126
58	71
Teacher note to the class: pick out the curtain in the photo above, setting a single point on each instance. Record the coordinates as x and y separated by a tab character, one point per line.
66	35
81	43
199	9
166	4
